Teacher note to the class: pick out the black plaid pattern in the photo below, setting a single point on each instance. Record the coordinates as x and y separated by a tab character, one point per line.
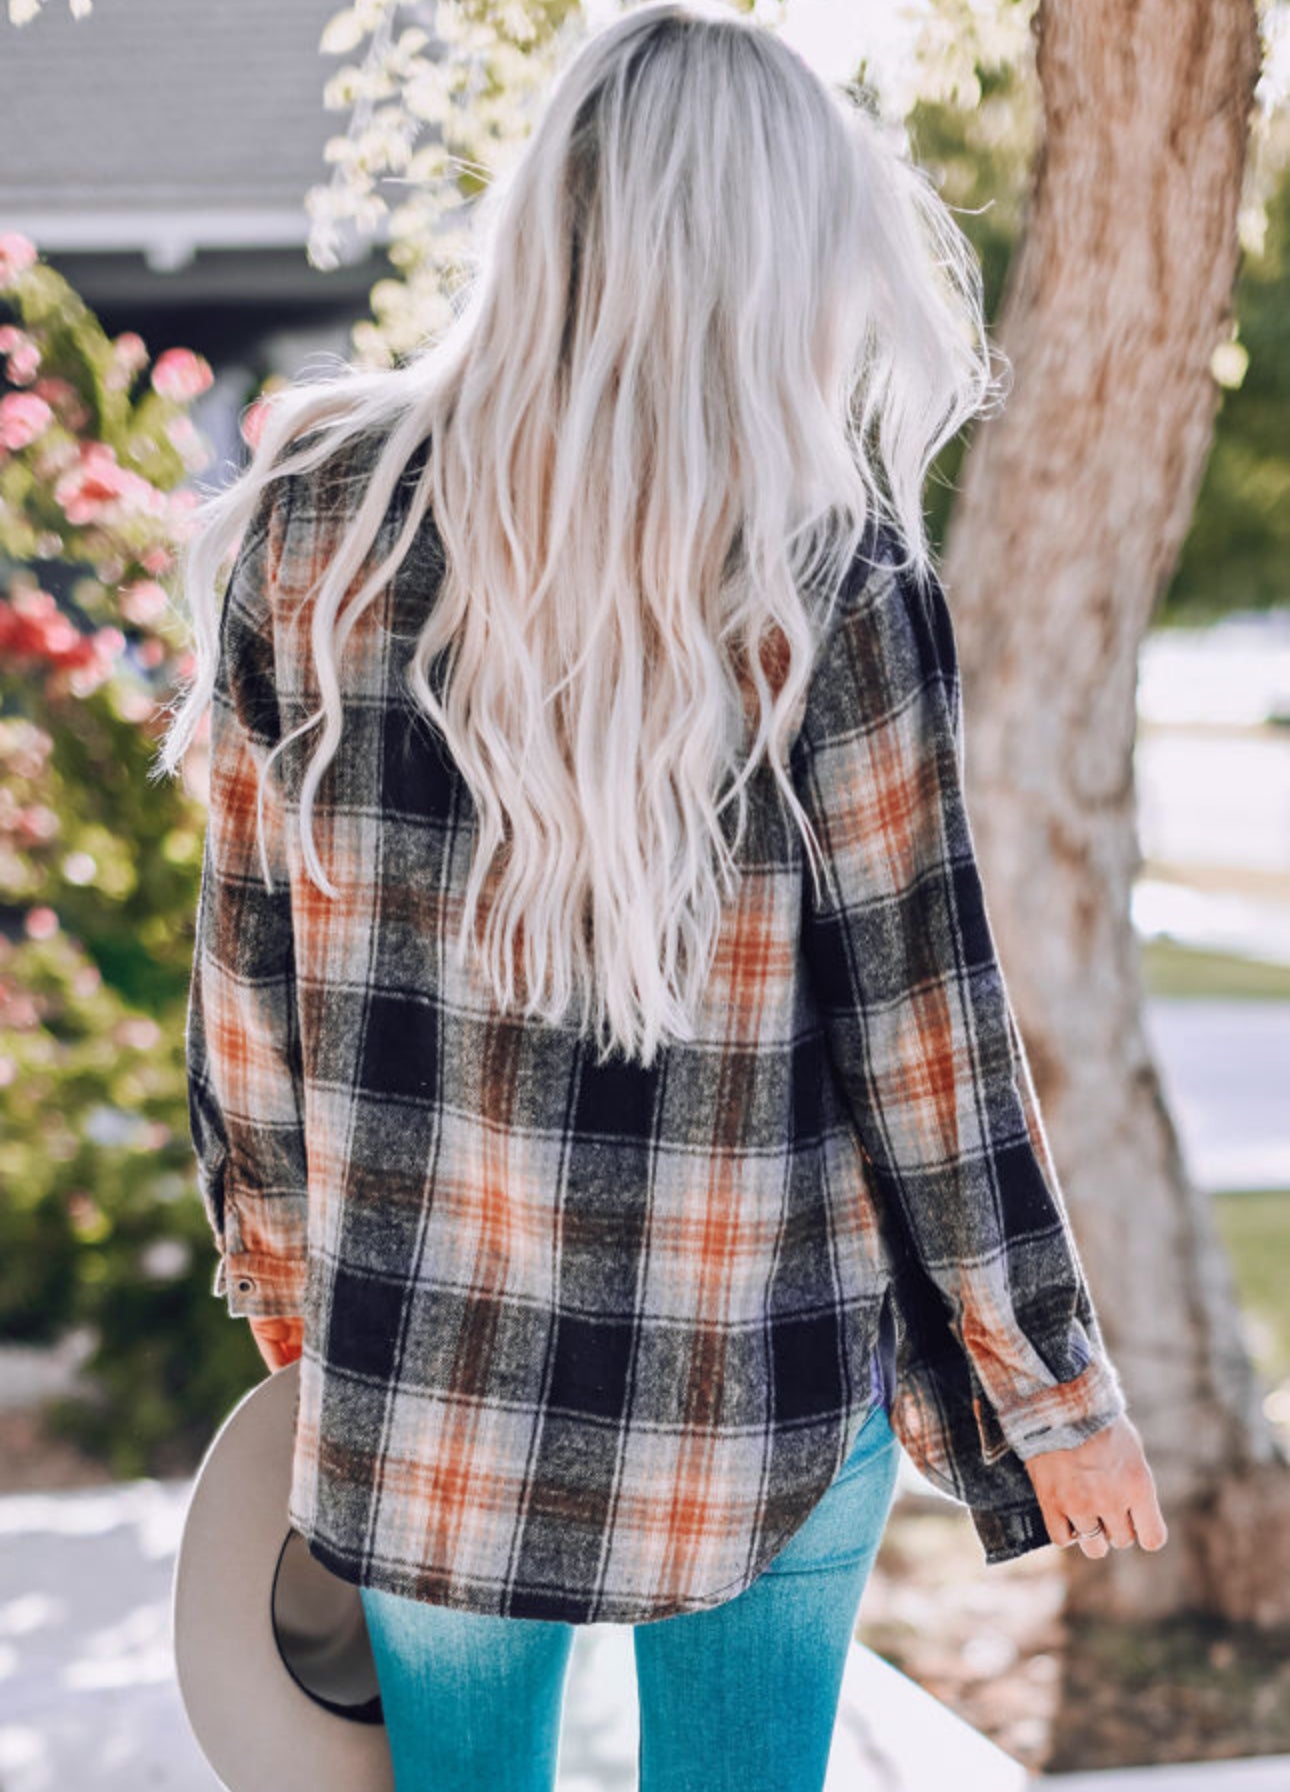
590	1342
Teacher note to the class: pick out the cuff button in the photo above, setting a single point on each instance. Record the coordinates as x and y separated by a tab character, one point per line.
245	1282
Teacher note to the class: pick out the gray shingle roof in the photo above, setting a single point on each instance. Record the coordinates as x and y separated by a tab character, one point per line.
209	112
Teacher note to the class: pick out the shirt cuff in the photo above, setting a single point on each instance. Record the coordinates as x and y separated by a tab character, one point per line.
1064	1415
260	1287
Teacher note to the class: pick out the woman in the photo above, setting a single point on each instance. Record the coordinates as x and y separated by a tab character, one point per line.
624	1239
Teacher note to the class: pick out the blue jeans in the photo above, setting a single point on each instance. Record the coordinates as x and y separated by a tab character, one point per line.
739	1697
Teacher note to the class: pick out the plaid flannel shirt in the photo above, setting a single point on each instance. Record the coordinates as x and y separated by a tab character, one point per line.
590	1342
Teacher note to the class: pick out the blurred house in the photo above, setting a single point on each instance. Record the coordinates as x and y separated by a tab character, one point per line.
158	153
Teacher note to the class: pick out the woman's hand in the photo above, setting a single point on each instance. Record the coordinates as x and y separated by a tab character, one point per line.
281	1341
1105	1477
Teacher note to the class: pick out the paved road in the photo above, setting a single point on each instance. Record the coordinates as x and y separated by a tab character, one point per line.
1226	1070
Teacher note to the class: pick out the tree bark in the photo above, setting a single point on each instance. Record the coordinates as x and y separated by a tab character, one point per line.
1073	506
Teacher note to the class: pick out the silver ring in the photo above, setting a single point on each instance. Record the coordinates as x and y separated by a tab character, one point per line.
1093	1533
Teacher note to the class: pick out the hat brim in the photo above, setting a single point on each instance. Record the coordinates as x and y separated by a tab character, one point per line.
272	1654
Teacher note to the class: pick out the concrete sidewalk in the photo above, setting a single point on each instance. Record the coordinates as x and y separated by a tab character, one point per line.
1265	1773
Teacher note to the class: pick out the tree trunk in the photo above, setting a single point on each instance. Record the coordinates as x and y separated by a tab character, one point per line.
1073	506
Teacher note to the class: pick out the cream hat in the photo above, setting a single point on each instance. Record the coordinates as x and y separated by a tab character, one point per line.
272	1653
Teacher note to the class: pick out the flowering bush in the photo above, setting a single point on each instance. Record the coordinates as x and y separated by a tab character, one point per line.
88	471
100	1223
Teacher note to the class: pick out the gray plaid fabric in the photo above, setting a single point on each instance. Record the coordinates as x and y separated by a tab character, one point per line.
589	1342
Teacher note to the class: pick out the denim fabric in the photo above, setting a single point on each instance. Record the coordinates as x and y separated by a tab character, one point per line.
738	1697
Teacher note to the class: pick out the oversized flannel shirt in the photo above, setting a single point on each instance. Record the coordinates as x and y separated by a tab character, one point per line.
589	1342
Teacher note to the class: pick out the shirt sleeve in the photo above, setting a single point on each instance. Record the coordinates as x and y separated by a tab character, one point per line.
919	1023
244	1077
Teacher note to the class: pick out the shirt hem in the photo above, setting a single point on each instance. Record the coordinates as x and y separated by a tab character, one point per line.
554	1604
486	1599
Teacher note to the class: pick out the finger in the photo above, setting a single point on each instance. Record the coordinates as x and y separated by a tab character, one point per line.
1094	1546
269	1347
1118	1527
1148	1523
1055	1521
277	1329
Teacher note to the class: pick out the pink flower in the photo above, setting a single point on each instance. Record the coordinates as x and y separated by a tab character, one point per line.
129	354
36	823
23	354
16	255
139	1033
252	421
181	375
32	624
181	522
108	641
24	362
130	350
42	922
97	481
143	602
193	448
23	417
65	399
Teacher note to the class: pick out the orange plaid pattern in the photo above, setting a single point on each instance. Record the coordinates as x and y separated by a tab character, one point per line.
585	1341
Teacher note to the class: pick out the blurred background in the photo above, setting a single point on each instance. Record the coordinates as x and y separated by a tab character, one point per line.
198	203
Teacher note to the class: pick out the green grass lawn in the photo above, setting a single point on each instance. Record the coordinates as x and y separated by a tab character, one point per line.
1173	970
1255	1227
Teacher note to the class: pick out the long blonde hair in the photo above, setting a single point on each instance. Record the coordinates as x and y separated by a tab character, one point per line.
716	324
